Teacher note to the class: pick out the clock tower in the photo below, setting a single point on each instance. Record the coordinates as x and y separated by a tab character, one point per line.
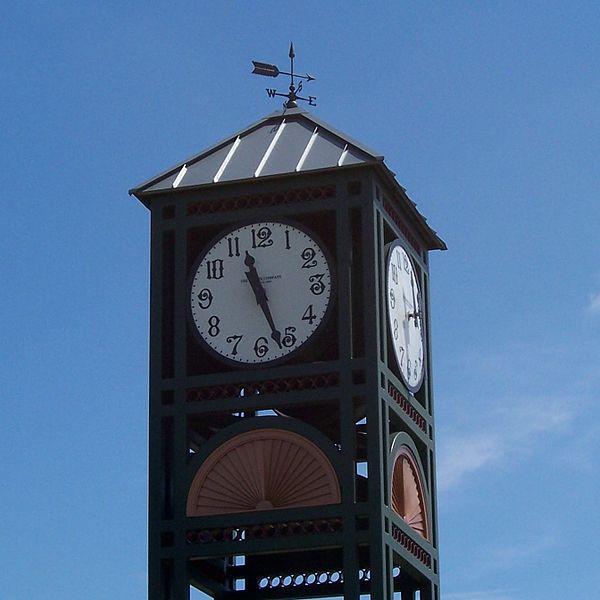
291	410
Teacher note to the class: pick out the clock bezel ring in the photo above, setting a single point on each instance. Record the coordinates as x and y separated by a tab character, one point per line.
312	337
413	388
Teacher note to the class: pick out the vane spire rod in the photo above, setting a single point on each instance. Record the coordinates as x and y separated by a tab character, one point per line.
292	55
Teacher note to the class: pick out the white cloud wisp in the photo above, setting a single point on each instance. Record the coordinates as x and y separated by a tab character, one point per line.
515	427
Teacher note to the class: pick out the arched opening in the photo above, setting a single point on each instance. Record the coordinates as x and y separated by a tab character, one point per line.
263	469
408	499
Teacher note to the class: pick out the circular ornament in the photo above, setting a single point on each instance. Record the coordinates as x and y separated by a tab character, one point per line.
259	292
405	316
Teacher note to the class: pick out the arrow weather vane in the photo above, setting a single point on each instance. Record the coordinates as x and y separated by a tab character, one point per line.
272	71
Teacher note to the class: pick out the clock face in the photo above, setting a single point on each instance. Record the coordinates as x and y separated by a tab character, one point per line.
405	316
260	292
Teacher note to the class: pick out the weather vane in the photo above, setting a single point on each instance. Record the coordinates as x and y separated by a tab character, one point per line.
272	71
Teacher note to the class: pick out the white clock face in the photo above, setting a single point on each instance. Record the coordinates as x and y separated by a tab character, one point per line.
260	292
405	316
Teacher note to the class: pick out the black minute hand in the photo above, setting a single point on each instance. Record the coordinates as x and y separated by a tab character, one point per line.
261	296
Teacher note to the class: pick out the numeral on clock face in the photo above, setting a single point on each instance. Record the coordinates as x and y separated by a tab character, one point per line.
317	287
235	340
233	244
213	329
308	255
309	315
260	284
289	339
261	238
205	298
261	347
214	269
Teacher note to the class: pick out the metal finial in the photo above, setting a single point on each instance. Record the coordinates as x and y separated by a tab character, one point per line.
269	70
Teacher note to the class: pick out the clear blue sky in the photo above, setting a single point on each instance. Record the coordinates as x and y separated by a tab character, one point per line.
488	112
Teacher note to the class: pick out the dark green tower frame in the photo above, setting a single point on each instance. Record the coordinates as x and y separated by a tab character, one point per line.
360	546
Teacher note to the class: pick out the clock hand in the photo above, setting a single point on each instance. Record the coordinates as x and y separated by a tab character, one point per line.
417	313
261	296
406	322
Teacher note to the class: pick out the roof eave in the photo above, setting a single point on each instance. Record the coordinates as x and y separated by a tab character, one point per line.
434	242
145	197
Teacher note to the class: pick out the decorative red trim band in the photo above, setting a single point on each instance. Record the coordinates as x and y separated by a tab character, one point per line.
407	407
391	211
267	386
406	542
262	200
269	530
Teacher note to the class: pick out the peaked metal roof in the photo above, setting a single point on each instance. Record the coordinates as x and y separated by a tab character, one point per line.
292	141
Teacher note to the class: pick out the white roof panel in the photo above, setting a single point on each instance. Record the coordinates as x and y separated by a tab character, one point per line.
291	144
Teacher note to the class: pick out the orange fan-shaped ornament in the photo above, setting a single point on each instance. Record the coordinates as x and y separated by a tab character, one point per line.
408	499
263	469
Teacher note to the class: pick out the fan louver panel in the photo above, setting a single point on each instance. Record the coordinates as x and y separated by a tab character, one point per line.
262	470
408	499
